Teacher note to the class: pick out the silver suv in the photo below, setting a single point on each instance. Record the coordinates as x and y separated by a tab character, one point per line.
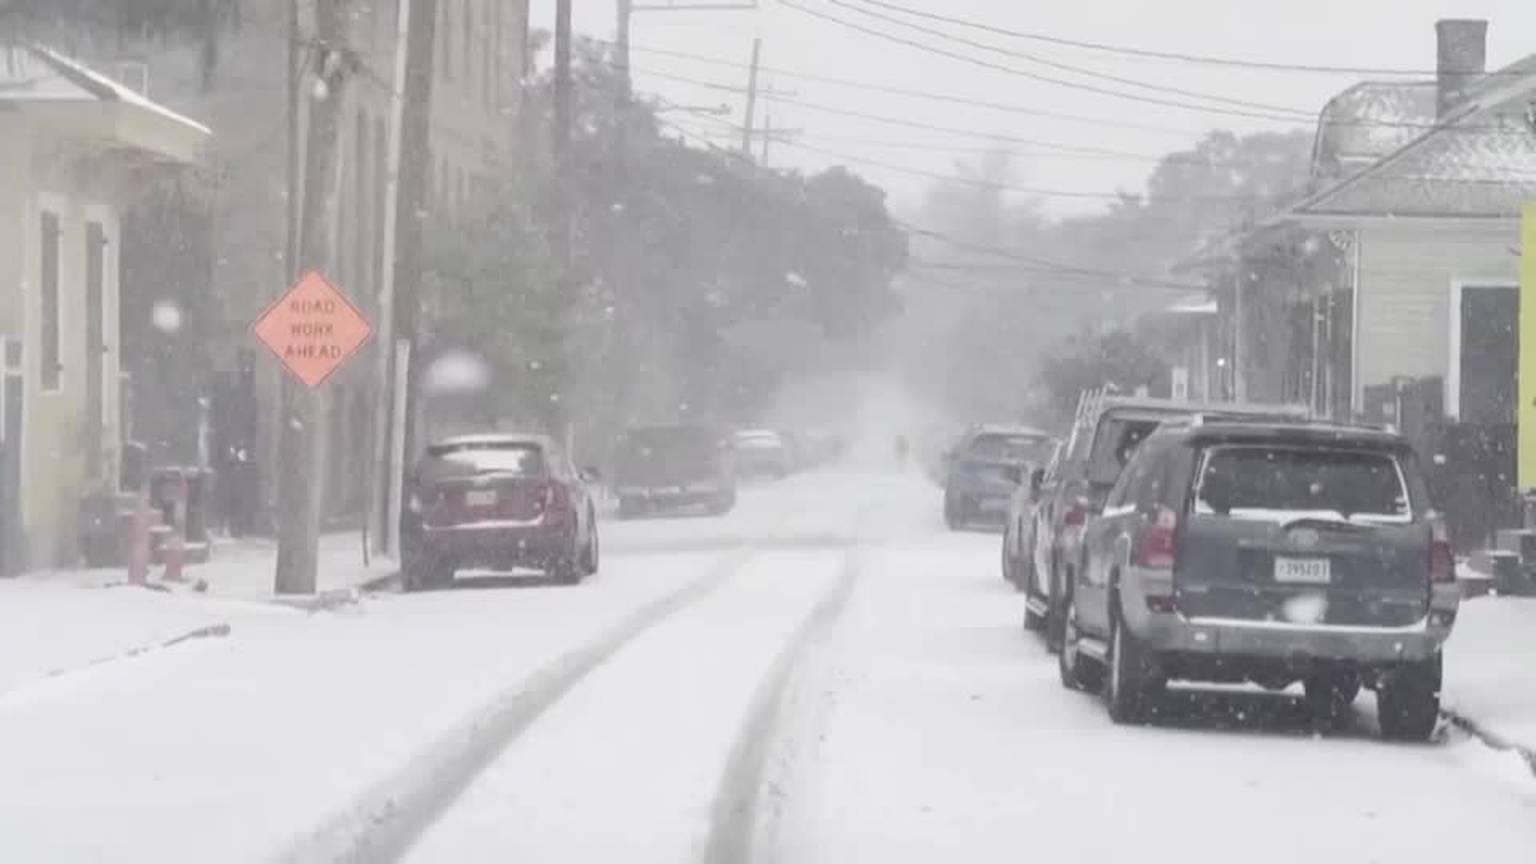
1266	552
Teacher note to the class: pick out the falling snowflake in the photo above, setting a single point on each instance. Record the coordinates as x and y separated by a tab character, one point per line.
166	316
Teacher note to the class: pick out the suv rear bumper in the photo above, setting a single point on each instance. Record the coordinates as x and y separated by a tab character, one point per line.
1292	642
678	495
1172	632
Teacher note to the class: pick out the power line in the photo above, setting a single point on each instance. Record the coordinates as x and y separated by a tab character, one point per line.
1013	108
948	98
1066	67
1052	266
1172	158
1148	53
1013	70
1024	263
787	100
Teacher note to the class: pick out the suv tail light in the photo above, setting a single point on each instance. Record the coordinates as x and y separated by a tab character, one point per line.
556	500
1442	562
1158	544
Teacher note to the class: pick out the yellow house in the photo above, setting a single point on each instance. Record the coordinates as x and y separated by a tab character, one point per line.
73	147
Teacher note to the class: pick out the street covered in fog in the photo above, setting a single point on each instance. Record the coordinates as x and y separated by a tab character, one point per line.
827	674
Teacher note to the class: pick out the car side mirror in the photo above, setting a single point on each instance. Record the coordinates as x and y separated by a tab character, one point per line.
590	475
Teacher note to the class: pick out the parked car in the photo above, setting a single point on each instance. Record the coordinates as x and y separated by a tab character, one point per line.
763	453
1104	434
1019	525
499	502
673	467
1271	553
984	469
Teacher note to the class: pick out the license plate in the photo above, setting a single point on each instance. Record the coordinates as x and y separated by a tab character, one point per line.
480	498
1306	571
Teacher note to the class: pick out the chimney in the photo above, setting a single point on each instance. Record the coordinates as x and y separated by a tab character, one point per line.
1462	60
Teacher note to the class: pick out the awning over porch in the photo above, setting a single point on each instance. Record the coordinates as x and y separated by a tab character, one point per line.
68	97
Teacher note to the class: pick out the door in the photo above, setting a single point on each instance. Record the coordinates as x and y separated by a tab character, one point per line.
95	347
11	416
1488	354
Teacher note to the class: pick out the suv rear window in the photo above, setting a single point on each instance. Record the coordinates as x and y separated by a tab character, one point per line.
676	445
1261	482
526	460
1114	444
1009	448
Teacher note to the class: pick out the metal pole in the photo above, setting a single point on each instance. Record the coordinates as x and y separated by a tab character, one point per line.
746	127
383	531
621	50
555	407
397	447
1239	391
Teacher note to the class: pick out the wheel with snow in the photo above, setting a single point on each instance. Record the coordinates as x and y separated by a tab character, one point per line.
1033	622
1408	701
956	512
424	572
722	504
1077	672
1330	695
591	556
1131	682
1056	612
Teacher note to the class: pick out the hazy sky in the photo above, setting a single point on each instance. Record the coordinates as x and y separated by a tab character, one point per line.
1384	34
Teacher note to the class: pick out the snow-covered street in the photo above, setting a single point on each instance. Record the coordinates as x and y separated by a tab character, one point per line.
826	674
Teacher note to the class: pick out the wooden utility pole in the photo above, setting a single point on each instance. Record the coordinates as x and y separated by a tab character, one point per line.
564	206
415	167
746	127
382	518
301	463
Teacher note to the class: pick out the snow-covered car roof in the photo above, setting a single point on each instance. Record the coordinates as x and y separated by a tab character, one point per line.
490	439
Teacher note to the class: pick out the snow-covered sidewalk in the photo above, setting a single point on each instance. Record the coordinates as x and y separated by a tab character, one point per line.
60	621
1490	670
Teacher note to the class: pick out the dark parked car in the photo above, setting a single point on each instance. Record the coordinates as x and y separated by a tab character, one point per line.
1104	434
764	453
499	502
986	467
673	467
1271	553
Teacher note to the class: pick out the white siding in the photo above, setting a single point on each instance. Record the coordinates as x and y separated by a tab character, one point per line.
1406	273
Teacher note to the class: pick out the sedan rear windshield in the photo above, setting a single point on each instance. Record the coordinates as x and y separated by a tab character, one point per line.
1287	483
1009	448
525	460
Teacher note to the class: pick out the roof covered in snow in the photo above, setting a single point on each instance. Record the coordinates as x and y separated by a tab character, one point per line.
1369	121
1477	162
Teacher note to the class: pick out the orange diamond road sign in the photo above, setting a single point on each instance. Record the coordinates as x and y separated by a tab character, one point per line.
313	329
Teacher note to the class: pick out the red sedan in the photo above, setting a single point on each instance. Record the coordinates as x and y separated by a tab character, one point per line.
499	502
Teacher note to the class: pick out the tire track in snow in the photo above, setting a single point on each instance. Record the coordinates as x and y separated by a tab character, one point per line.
382	823
735	815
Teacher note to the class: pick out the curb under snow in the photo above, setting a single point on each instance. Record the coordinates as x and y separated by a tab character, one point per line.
1491	739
